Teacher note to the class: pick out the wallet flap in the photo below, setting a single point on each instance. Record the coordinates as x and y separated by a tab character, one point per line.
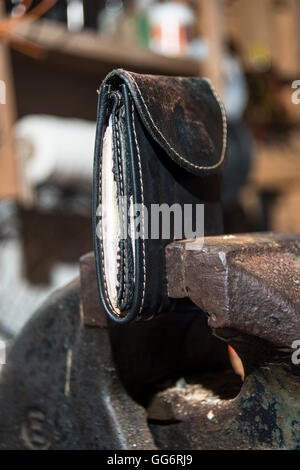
184	115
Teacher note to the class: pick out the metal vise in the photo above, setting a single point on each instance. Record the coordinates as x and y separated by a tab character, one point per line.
74	380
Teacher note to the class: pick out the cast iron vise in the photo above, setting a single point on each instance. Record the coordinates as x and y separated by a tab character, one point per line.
74	380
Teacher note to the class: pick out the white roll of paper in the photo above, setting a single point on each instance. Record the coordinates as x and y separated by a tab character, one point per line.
55	149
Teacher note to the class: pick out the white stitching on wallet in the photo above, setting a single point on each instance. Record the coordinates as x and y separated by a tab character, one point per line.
224	121
224	128
143	222
124	221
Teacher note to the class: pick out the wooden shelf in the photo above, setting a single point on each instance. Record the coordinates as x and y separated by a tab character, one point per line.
64	81
89	48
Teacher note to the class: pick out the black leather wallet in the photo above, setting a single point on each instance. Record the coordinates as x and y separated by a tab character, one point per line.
160	147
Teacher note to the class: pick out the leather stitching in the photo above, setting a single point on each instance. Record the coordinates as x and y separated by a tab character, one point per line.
122	193
101	240
143	227
143	221
224	128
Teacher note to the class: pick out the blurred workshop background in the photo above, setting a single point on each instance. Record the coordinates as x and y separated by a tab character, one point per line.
54	55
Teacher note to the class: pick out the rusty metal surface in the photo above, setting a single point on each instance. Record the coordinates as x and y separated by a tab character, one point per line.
247	283
165	383
250	287
265	415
